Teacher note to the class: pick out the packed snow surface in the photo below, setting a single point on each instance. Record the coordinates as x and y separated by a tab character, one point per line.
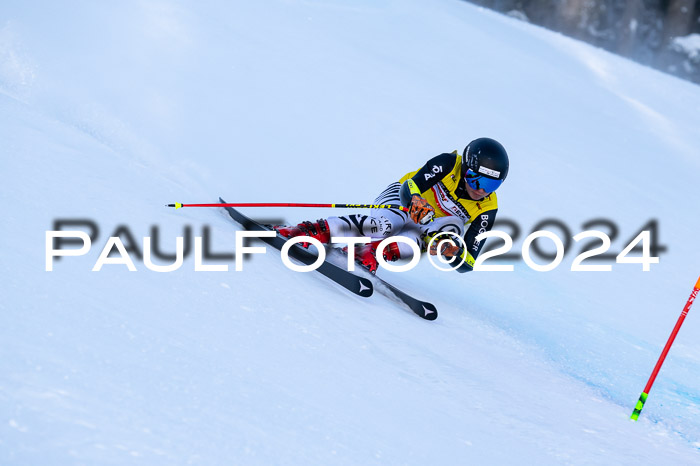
109	111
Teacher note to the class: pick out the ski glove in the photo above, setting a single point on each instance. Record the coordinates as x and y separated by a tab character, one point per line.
448	249
420	211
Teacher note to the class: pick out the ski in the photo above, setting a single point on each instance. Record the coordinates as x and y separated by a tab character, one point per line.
359	285
422	309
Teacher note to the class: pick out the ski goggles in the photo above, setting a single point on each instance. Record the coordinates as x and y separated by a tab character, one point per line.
477	181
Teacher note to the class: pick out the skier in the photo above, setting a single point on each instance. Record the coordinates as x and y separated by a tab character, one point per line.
447	193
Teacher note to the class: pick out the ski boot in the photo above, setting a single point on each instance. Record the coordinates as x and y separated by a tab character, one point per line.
366	254
318	230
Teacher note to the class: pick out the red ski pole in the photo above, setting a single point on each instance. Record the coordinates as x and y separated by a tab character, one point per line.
178	205
655	372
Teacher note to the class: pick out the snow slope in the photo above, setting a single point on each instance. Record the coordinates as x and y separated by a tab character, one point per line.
107	112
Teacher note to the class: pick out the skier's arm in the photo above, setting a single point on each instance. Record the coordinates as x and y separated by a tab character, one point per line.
428	176
466	255
411	193
481	224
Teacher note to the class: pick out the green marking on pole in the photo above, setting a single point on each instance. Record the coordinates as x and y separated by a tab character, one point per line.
639	406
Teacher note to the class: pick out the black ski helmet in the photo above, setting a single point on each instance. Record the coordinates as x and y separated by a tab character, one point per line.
485	157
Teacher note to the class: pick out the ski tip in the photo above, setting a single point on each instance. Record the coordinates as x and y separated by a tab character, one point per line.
429	312
177	205
366	288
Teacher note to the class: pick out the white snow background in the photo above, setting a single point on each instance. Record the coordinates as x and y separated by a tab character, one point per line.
108	111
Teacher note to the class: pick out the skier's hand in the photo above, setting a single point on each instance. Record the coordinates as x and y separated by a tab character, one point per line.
448	249
420	211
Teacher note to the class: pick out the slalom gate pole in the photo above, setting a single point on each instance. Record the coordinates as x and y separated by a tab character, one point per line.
178	205
655	372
